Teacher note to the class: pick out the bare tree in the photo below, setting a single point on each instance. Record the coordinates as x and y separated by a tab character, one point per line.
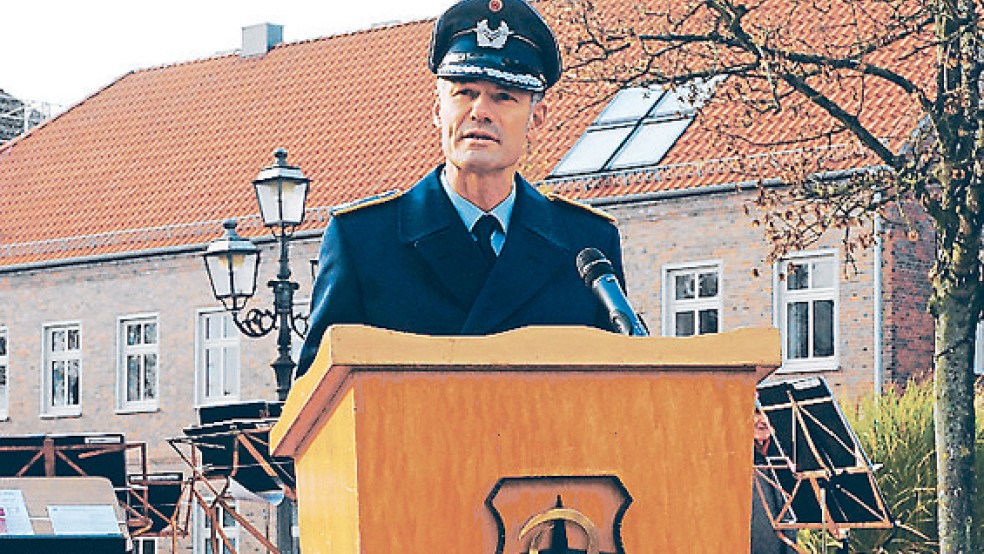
833	66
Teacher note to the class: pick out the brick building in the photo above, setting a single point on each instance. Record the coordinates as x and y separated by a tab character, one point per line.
109	206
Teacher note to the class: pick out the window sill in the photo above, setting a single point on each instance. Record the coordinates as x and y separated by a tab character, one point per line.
216	401
61	415
808	367
127	410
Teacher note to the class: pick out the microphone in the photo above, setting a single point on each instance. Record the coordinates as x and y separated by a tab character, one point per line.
599	275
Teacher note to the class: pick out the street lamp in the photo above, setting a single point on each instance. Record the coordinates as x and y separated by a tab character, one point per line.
232	263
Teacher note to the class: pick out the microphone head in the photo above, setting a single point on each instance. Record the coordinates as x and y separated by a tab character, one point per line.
592	264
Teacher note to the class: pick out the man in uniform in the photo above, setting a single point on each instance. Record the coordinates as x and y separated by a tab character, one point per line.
472	248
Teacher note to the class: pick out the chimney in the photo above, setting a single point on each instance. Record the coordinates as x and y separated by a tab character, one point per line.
259	39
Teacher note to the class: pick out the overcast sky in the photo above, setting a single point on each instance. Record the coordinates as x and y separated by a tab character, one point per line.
61	51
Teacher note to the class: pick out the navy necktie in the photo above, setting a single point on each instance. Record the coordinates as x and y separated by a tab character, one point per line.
483	229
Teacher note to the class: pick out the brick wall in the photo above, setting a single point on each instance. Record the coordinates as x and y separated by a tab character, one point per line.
715	227
909	246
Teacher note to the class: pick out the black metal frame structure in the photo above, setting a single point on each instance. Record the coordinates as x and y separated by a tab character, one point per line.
817	463
221	452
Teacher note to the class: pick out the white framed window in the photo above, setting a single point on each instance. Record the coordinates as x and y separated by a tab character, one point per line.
807	310
217	372
144	545
204	529
4	374
62	372
692	299
138	368
636	129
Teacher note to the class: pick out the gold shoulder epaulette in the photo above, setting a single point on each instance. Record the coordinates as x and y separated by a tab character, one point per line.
365	202
553	196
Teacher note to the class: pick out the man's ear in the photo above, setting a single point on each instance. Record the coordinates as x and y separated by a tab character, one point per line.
538	118
437	112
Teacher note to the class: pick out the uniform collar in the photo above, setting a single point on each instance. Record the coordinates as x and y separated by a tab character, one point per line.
469	213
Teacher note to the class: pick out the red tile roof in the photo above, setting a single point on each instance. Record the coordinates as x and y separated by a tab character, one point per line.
160	156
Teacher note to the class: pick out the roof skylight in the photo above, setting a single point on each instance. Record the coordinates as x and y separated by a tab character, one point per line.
636	129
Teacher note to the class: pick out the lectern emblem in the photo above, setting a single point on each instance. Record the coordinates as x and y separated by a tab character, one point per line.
559	514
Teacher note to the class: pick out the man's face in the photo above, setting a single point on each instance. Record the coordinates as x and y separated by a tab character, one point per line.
485	126
762	427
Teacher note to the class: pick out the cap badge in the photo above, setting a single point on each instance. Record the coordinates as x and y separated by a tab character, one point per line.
492	38
495	5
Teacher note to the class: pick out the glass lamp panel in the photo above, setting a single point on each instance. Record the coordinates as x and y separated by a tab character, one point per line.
244	274
281	202
233	274
592	150
219	272
293	197
268	197
650	143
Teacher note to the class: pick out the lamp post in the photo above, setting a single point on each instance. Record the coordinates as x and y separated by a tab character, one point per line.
232	263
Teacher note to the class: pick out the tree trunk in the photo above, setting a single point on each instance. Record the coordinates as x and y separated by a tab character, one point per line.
954	386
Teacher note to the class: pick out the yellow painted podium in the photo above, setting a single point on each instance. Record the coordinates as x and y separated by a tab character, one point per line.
525	441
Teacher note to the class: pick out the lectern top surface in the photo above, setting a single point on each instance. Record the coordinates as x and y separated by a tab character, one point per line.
359	345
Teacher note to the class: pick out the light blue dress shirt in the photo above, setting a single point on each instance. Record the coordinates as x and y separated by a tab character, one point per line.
470	213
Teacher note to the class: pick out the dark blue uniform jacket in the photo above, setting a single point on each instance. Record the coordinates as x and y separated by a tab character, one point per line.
409	264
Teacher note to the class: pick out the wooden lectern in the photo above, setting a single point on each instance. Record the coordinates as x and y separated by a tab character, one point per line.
525	441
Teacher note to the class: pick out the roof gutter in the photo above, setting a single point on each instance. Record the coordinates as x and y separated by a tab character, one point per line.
721	188
138	254
682	193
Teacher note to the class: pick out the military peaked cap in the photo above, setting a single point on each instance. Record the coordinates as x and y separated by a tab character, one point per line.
503	41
